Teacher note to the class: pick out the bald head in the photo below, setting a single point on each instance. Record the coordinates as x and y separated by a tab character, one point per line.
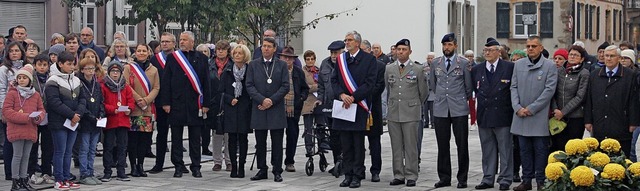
269	33
86	35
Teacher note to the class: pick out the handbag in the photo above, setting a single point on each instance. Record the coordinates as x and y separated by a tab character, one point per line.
556	126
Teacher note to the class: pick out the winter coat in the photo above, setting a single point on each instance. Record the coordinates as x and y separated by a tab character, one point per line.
571	91
236	118
300	90
119	119
19	124
61	102
214	85
6	77
139	91
312	82
95	108
325	89
258	88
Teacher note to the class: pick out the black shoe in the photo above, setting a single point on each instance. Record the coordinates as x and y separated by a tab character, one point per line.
206	152
375	178
411	183
540	185
277	178
440	184
462	185
26	185
241	170
134	171
141	170
73	177
185	170
155	170
196	173
7	177
179	171
504	187
516	178
15	185
262	174
523	187
396	181
355	183
150	155
346	182
483	186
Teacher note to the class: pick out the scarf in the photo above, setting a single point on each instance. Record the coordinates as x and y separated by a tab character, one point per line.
143	64
220	64
17	64
113	85
288	98
313	71
571	67
238	74
25	92
42	78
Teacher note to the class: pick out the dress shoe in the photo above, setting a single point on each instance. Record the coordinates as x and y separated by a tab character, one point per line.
504	187
516	178
396	181
196	173
150	155
411	183
290	168
277	178
523	187
375	178
207	152
462	185
355	183
134	171
141	170
540	185
155	170
185	170
346	181
441	184
217	167
241	172
260	175
483	186
177	174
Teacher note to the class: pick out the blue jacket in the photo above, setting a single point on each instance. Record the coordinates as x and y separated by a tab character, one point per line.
493	94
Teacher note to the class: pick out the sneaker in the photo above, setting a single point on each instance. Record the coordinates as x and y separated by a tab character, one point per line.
48	179
61	186
123	178
88	181
35	179
95	179
72	185
290	168
106	178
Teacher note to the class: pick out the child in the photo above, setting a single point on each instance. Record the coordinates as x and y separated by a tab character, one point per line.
54	51
13	60
89	134
22	100
65	102
40	79
116	93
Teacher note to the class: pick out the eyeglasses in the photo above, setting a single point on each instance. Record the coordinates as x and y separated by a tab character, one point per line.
114	71
610	56
166	41
89	68
532	46
575	55
487	50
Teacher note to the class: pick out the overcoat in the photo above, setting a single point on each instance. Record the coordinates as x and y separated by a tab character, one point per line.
493	94
259	89
532	87
236	118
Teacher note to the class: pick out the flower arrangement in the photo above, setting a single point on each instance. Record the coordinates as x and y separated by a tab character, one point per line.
587	164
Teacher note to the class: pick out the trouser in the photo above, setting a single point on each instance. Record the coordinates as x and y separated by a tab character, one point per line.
375	151
115	144
403	149
63	140
138	146
194	146
161	138
87	152
276	149
310	120
334	140
20	162
206	136
634	140
238	146
7	151
496	143
428	114
574	130
46	147
292	131
443	136
534	152
353	153
384	104
517	162
220	148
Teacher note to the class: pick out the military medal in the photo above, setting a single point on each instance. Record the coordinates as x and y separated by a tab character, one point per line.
20	111
73	95
92	88
119	104
92	100
269	81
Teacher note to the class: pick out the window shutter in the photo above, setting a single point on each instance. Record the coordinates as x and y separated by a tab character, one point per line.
502	20
615	22
620	25
598	23
578	20
546	19
589	23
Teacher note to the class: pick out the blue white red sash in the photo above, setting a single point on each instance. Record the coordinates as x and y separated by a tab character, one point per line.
144	80
162	59
183	62
348	80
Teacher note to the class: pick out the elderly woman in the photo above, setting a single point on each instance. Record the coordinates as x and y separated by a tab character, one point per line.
517	54
560	57
118	51
293	101
567	103
311	115
236	108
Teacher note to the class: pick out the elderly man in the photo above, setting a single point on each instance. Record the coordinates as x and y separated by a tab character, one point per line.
365	46
257	52
184	92
472	101
86	41
427	106
492	79
377	52
532	87
354	92
407	90
611	107
450	80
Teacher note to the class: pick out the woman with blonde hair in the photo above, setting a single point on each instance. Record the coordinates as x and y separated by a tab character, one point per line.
118	51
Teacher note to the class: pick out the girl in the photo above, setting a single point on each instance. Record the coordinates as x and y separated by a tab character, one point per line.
21	101
66	105
137	74
116	94
89	134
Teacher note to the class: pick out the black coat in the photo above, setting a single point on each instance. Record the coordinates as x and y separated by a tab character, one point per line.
94	109
214	85
493	94
236	118
300	90
60	103
364	71
275	117
325	89
156	63
180	95
611	104
376	100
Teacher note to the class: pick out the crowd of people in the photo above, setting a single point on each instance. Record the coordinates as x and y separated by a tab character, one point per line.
60	103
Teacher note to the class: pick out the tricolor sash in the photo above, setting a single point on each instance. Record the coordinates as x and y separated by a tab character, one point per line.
183	62
144	80
348	80
162	59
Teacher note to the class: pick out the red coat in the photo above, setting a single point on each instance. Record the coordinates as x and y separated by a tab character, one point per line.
120	119
19	125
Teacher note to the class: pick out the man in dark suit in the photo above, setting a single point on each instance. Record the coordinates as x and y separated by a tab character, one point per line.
185	106
267	83
492	81
375	131
363	69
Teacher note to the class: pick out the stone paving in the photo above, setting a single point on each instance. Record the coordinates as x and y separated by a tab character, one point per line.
298	180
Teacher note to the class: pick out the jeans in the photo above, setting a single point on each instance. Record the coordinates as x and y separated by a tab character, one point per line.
63	140
46	148
533	152
115	143
20	162
634	140
87	151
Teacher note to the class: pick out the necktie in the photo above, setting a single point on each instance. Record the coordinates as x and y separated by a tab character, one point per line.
610	73
401	68
492	69
448	64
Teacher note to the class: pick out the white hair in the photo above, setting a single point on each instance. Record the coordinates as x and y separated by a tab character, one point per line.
579	43
431	54
468	52
356	36
192	37
613	47
90	30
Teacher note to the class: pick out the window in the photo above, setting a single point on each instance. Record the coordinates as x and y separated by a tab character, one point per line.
131	29
88	14
525	19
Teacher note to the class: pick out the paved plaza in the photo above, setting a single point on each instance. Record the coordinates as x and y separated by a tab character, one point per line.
298	180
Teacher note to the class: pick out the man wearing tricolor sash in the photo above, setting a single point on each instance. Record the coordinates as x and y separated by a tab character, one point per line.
353	81
184	87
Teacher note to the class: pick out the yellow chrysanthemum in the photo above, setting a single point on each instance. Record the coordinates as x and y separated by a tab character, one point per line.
599	159
552	159
635	169
553	171
613	171
576	146
629	162
582	176
610	145
592	143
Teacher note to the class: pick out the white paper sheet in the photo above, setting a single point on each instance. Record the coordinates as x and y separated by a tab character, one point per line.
102	122
123	108
340	112
67	124
35	114
45	120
